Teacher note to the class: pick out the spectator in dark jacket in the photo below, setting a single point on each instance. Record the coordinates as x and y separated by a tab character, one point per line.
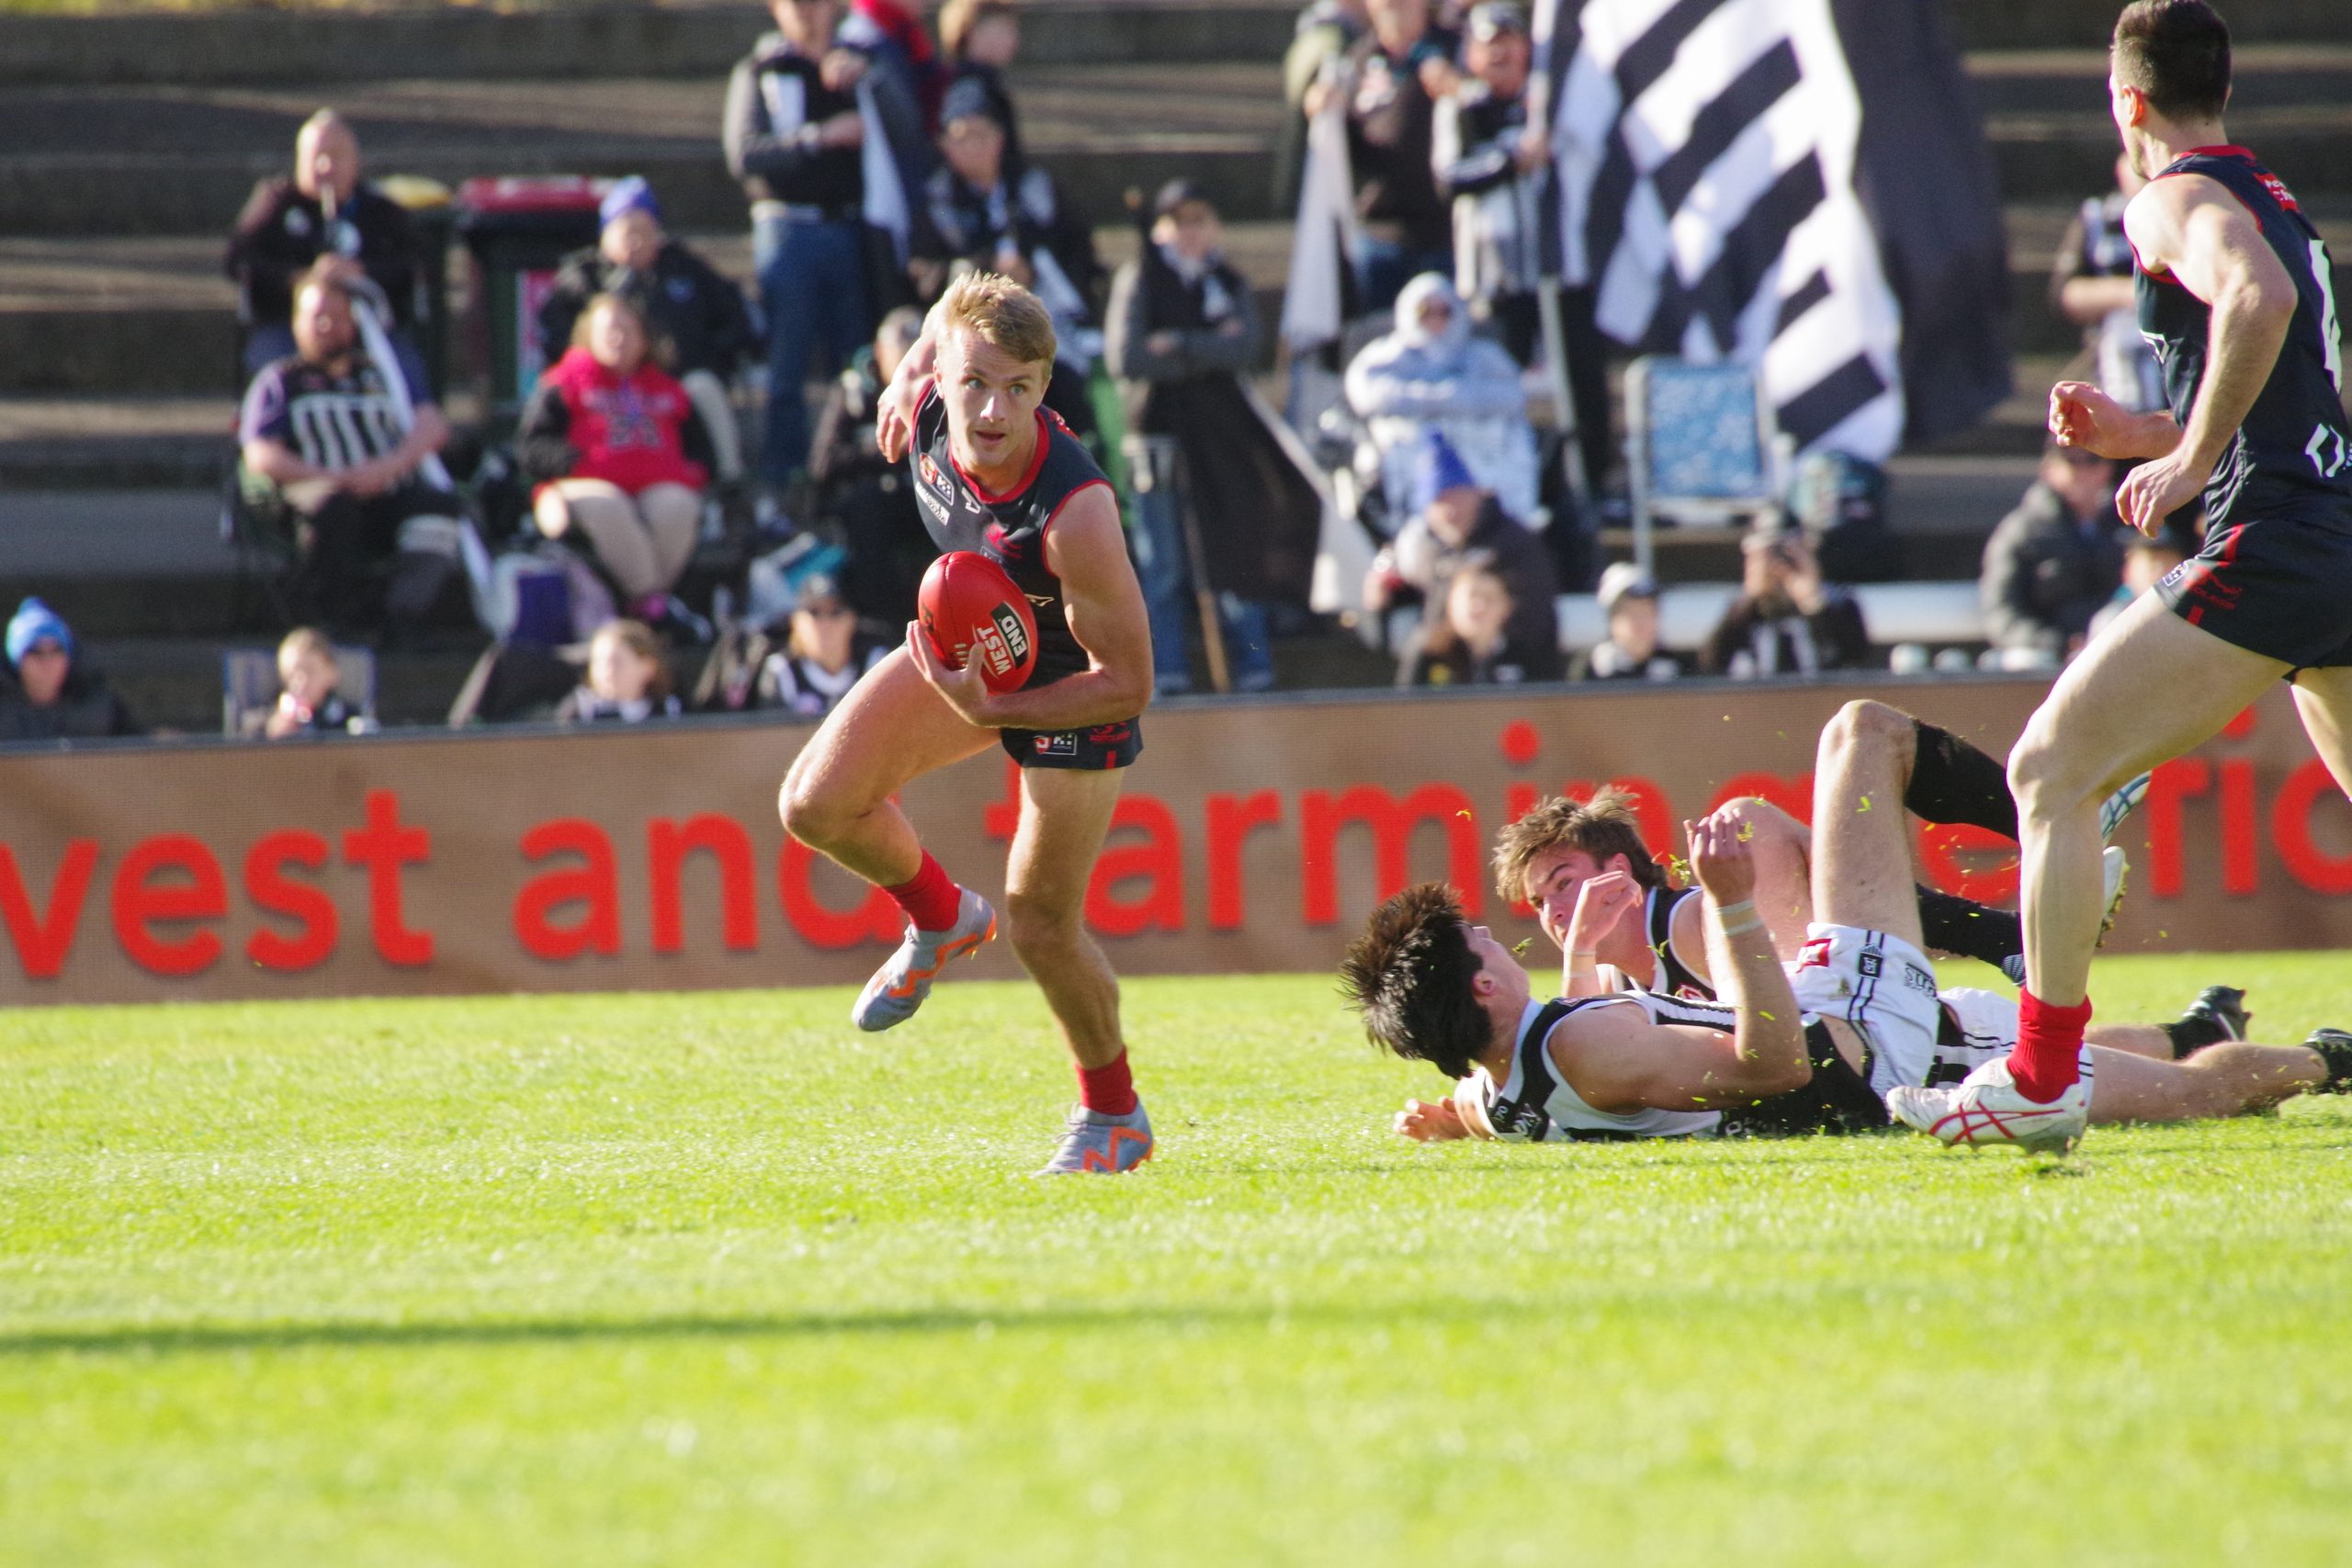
1452	516
2053	562
1487	166
325	209
1183	331
862	496
1391	81
980	211
982	38
686	303
55	696
1786	621
799	109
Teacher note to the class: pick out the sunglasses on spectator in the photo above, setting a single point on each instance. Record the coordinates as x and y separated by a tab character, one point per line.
829	611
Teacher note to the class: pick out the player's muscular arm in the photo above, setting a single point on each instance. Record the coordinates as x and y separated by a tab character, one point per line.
1625	1063
1086	549
2189	226
894	414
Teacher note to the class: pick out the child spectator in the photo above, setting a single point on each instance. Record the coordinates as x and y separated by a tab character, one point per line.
620	455
825	650
686	305
325	211
308	700
55	696
1469	641
1628	597
628	678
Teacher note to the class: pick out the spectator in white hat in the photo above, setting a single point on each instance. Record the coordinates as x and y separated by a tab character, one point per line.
1628	597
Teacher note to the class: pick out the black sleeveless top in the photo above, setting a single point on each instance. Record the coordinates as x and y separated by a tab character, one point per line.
2294	451
1010	529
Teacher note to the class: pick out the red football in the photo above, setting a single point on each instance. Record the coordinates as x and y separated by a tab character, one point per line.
969	603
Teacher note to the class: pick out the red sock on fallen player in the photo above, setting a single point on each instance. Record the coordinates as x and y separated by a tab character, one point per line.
2050	1045
931	899
1108	1088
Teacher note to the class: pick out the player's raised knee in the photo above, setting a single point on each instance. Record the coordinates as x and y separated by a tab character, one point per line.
1864	723
810	813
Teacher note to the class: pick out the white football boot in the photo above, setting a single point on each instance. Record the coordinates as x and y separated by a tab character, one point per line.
1097	1143
1985	1108
899	986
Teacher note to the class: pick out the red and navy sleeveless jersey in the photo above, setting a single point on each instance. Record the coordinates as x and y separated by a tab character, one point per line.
2294	450
1009	529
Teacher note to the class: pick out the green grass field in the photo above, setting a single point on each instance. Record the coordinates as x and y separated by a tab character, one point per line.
711	1279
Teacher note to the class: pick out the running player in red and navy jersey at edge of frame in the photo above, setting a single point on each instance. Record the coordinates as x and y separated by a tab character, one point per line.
996	474
2236	296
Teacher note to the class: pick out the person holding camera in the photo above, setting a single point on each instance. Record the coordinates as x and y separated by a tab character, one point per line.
1787	620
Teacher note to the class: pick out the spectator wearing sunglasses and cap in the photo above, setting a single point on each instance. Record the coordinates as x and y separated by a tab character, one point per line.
825	650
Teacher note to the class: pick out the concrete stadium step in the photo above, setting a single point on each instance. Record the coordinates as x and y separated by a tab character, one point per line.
557	39
2010	79
700	38
182	160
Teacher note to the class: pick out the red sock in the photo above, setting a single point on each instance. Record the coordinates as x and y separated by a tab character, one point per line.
931	898
2050	1046
1108	1088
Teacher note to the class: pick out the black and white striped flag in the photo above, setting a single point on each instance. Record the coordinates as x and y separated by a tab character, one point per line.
1799	184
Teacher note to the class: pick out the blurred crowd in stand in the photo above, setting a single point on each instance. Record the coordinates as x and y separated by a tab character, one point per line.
665	528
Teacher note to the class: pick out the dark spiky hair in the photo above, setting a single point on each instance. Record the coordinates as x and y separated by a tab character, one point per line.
1409	973
2176	52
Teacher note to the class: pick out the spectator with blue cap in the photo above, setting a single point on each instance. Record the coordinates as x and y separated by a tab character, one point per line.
688	305
1453	515
54	695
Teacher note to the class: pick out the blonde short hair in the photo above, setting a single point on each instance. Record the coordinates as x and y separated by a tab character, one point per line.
307	639
1003	315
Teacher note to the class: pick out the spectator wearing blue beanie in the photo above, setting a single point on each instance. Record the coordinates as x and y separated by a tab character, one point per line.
1454	516
695	311
53	696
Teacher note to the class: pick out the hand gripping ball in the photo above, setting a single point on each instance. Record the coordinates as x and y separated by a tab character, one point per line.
970	608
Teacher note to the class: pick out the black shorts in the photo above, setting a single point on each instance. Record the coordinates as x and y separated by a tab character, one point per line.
1836	1100
1092	746
2281	586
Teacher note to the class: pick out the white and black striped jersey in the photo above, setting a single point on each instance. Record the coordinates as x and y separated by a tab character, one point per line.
1536	1104
1670	976
332	422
